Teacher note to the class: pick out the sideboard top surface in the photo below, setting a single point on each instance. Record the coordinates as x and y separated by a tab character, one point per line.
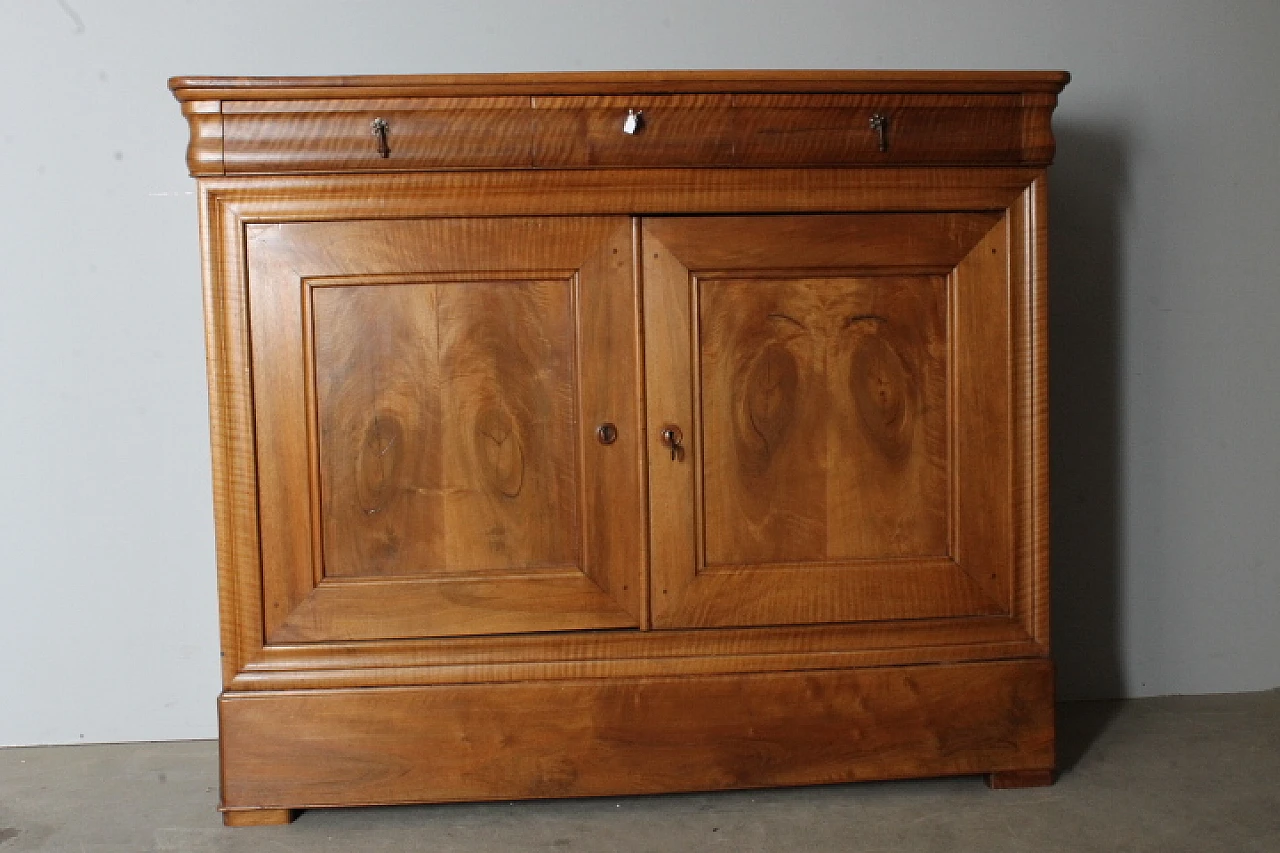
619	82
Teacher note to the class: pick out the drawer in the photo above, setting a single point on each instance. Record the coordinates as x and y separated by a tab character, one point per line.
771	130
421	133
585	131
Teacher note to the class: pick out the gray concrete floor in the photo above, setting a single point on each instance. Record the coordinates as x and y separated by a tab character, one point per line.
1180	773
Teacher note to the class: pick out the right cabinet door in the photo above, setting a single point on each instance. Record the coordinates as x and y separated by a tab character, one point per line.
842	391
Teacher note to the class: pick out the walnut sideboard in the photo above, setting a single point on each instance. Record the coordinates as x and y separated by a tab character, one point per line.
587	434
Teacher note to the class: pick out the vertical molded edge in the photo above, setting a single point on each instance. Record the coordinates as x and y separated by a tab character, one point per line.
232	434
585	556
953	444
216	365
232	445
695	430
204	148
642	422
1018	337
313	431
1029	285
1038	213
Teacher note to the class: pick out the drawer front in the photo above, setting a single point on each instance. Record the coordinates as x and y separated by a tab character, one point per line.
265	137
680	130
723	130
835	130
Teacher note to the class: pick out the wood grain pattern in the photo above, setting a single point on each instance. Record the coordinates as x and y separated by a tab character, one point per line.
272	199
559	132
475	136
824	418
300	125
231	434
231	203
784	134
820	468
983	291
1032	582
606	654
465	603
446	401
633	736
677	130
748	244
447	426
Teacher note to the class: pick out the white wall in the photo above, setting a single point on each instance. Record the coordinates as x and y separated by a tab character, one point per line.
1166	205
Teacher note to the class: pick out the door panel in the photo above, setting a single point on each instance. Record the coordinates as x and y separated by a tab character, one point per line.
833	415
439	383
824	416
446	427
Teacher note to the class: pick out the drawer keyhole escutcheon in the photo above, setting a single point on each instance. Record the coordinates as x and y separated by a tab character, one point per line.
379	129
880	124
633	123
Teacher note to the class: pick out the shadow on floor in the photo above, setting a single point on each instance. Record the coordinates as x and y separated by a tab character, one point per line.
1080	724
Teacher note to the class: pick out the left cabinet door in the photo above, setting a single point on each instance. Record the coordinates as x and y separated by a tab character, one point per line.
427	398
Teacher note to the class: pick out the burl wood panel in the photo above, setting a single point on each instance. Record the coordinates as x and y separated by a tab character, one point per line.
824	418
446	426
633	736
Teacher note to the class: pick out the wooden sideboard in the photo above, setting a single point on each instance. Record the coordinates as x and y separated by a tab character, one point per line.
598	434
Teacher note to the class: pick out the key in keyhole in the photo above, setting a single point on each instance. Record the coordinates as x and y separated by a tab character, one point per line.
671	437
380	129
880	124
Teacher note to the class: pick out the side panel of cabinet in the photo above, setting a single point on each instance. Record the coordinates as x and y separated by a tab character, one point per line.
426	395
843	386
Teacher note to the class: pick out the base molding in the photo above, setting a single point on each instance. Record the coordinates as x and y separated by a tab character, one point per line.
442	743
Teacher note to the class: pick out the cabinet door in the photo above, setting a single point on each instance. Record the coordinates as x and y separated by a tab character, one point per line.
841	385
427	395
